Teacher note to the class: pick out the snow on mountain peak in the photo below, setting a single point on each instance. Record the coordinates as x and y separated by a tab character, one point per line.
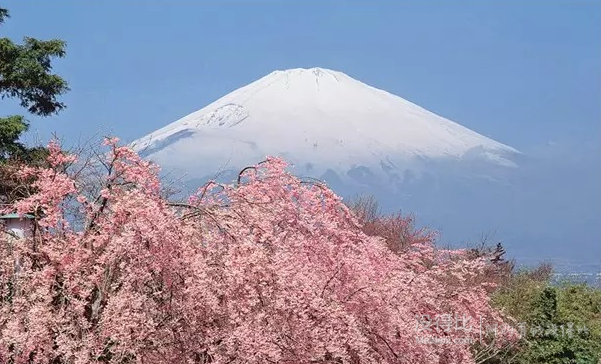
316	71
321	120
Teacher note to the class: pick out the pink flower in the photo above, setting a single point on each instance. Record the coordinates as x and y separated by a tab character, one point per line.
270	270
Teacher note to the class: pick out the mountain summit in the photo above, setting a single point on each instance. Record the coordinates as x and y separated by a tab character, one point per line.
323	122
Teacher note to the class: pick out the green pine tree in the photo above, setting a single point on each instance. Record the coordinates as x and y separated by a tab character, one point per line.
26	74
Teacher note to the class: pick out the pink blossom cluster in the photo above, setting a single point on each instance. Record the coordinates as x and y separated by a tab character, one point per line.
271	269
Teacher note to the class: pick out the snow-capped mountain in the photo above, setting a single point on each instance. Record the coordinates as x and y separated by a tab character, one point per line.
364	140
328	125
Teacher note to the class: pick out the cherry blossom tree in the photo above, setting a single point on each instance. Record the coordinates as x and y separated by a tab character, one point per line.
270	269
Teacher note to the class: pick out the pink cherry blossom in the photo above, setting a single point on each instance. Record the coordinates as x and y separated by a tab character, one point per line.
271	269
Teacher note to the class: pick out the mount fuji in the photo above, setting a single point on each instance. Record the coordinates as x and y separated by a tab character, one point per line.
362	140
328	126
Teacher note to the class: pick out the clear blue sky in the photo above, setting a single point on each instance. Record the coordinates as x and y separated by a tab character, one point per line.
522	72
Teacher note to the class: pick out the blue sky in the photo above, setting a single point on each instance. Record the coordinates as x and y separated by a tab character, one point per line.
523	73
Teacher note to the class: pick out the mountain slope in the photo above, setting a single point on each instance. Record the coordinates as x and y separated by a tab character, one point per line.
324	122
